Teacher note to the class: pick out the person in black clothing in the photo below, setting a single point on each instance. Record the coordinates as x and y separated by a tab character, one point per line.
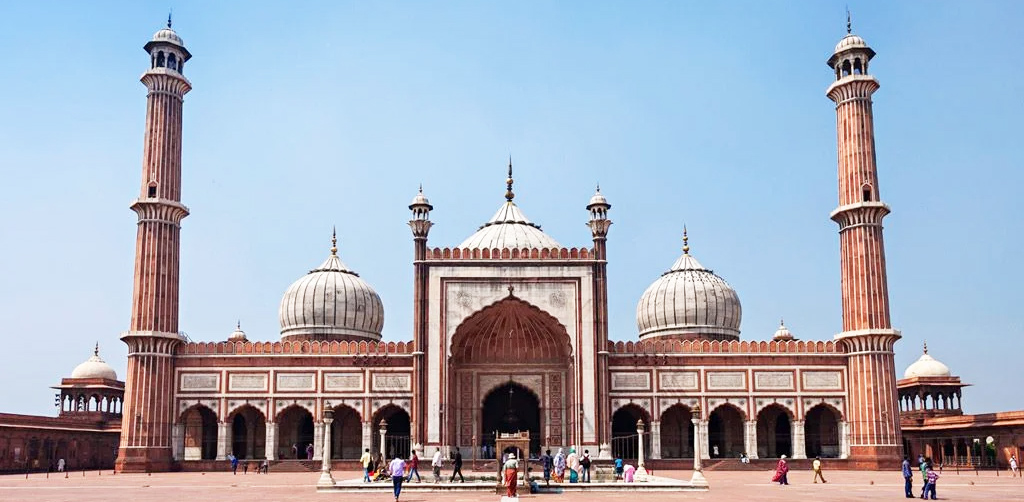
457	466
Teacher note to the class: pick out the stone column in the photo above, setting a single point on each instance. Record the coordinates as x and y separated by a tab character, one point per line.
799	448
367	437
223	440
844	439
383	429
271	441
641	471
318	440
178	442
702	427
325	439
698	478
750	438
655	452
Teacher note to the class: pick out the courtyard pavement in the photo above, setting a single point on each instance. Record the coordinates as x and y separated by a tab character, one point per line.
725	485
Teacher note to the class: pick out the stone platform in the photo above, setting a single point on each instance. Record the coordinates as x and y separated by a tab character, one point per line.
654	484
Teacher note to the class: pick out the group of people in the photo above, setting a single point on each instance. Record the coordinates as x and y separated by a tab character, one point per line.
262	468
400	470
556	466
929	476
781	475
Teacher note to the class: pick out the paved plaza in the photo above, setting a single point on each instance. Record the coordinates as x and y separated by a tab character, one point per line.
745	485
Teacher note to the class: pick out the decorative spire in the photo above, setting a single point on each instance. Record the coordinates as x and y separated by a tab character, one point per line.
782	323
686	241
849	28
96	350
238	326
599	188
169	18
926	346
509	195
421	188
334	241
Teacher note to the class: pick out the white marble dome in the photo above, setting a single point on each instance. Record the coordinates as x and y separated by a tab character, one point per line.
689	301
509	228
851	41
926	366
331	303
237	335
94	367
783	333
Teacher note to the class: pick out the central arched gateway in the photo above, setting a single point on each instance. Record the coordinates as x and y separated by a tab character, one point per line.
511	367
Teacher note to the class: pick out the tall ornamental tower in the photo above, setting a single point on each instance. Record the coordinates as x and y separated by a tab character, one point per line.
868	337
420	225
599	225
153	335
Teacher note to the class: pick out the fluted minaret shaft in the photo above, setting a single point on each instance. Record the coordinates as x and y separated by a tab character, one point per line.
148	415
868	337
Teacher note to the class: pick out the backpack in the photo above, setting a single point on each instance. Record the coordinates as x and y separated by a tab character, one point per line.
585	462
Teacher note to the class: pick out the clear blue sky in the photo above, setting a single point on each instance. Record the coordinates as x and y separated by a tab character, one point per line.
331	113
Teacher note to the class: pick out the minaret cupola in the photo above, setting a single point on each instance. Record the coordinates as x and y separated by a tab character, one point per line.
167	50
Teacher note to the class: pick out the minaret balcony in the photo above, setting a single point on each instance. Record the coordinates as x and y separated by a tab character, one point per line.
860	214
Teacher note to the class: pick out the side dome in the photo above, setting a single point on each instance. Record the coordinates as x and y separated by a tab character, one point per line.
926	366
331	303
689	302
94	367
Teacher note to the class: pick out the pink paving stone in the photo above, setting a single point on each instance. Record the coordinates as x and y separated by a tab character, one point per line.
732	485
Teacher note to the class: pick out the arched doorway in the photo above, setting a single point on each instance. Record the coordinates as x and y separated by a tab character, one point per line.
512	408
294	432
725	432
346	434
821	432
514	338
248	433
774	433
200	433
396	438
624	435
676	432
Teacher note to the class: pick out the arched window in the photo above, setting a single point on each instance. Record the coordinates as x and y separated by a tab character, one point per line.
866	192
151	193
160	59
846	67
857	67
172	61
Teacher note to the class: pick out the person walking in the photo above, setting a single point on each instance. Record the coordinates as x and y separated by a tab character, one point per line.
414	464
435	465
234	463
574	465
547	462
929	487
60	465
295	451
511	470
908	478
397	470
365	460
559	464
309	451
1013	465
457	466
585	466
816	467
781	471
618	467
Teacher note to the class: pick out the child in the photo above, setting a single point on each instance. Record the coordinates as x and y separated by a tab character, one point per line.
618	466
929	487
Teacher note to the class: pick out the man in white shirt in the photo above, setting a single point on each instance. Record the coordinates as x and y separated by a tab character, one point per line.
435	464
397	470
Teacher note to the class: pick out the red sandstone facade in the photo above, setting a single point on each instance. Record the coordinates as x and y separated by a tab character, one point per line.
510	333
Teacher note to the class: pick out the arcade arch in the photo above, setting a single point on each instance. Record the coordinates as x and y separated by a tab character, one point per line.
397	434
725	432
346	434
821	432
248	433
774	432
200	433
624	434
294	432
676	432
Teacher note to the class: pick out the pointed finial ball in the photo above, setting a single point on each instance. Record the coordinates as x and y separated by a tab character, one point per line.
96	350
925	347
169	19
686	241
334	241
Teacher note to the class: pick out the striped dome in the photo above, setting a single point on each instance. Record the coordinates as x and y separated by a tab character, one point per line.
509	229
331	303
689	301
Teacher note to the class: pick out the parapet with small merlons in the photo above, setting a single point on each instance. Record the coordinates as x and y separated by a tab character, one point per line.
324	347
511	254
720	347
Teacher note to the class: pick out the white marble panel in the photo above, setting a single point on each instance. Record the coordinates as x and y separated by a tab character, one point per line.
622	380
773	380
823	380
727	380
681	380
247	381
199	382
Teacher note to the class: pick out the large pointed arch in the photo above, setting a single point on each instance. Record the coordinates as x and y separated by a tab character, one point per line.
510	330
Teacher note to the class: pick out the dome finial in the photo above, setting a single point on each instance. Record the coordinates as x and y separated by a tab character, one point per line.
686	241
926	346
238	325
421	188
849	28
169	18
598	187
334	241
782	322
96	350
509	195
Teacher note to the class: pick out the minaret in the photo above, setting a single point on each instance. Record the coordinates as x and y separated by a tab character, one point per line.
872	412
420	225
153	335
599	225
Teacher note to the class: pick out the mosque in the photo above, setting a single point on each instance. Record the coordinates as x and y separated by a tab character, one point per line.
510	333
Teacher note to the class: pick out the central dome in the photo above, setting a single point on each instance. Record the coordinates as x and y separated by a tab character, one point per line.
509	228
689	302
331	303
